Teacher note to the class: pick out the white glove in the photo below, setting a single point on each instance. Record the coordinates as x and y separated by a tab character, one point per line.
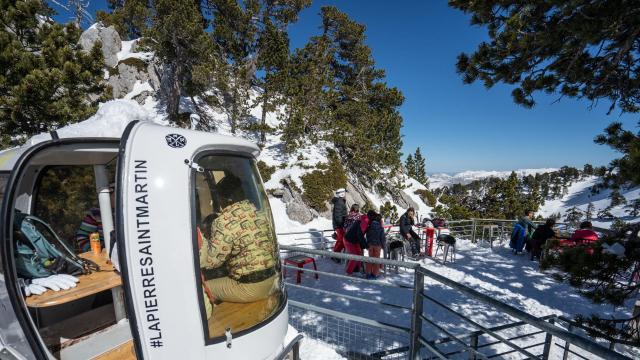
57	282
34	289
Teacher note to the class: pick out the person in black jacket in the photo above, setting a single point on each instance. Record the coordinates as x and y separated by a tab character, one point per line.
339	213
406	230
376	240
540	237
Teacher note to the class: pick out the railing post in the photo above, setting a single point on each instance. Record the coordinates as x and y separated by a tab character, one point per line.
565	355
416	321
474	345
547	343
473	234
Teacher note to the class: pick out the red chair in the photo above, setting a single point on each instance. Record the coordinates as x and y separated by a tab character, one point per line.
299	261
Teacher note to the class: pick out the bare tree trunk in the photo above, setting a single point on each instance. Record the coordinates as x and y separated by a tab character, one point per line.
172	92
263	120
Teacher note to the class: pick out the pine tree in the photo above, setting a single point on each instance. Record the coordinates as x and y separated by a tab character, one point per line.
590	211
131	18
236	33
190	66
410	165
46	80
273	52
616	198
365	123
389	212
605	213
588	169
573	216
634	208
421	172
627	167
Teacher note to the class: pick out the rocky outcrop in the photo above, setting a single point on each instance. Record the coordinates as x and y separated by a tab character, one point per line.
355	195
124	76
404	200
297	210
108	36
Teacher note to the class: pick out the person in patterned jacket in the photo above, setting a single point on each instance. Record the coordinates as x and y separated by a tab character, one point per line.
241	245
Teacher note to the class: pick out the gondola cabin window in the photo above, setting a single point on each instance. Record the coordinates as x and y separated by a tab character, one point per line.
236	246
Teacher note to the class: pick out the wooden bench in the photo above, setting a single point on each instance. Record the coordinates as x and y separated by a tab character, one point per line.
122	352
240	316
90	284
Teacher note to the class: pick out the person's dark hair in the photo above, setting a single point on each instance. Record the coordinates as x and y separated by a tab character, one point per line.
230	189
371	214
550	222
355	207
528	211
586	225
411	210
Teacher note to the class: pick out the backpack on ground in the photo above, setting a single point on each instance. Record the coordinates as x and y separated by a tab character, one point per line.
36	256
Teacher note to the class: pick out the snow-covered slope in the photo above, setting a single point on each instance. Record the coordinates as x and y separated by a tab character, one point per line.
579	195
441	180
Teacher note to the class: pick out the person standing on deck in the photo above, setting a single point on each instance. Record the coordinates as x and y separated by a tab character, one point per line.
339	214
528	226
376	240
540	236
355	226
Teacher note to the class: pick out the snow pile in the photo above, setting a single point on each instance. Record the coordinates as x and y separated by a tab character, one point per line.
126	53
441	180
579	195
138	88
312	349
110	121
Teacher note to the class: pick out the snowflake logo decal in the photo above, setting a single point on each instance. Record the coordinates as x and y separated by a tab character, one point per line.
176	140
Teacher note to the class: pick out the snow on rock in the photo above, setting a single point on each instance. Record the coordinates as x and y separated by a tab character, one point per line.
441	180
127	51
413	185
285	225
138	88
110	121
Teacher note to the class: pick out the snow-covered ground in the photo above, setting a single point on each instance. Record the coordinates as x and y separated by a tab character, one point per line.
511	279
579	195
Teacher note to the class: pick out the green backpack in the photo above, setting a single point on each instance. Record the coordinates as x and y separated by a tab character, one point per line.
36	256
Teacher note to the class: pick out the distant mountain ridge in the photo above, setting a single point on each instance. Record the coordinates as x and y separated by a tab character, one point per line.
441	180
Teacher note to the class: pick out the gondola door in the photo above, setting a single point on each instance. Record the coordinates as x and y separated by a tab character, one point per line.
154	244
181	302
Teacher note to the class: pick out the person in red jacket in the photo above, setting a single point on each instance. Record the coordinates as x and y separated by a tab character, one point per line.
585	234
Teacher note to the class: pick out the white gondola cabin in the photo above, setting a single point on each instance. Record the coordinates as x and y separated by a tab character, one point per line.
194	241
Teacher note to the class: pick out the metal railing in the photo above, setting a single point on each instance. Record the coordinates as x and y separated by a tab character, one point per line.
411	332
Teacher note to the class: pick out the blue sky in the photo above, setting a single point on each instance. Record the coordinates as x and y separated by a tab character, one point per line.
462	127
